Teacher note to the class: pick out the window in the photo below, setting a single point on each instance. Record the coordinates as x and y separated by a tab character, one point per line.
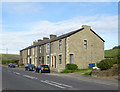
33	51
71	58
60	59
40	49
28	60
28	51
48	48
60	44
85	44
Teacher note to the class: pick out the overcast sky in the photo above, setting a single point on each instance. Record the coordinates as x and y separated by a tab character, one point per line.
24	22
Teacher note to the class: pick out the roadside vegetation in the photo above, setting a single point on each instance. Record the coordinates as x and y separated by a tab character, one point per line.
9	58
70	68
109	67
87	73
114	52
105	65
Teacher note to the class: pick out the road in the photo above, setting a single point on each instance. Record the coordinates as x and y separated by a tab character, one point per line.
18	79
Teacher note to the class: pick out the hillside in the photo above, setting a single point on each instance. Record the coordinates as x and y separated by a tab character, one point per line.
8	57
113	52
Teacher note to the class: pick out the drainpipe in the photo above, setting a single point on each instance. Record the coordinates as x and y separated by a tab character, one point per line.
65	50
50	54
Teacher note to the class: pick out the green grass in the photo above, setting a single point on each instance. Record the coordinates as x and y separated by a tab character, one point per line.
67	71
82	70
112	52
7	58
78	70
87	73
10	56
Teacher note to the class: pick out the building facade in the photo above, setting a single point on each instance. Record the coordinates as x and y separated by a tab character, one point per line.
81	47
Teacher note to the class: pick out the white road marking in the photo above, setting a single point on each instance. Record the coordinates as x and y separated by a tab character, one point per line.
29	77
52	84
16	73
59	84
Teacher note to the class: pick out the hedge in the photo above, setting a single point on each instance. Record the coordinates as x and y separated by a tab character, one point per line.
107	63
71	67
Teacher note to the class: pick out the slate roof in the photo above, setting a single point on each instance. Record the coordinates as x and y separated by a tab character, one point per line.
60	37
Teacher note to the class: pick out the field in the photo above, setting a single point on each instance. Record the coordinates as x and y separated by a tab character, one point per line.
113	52
6	58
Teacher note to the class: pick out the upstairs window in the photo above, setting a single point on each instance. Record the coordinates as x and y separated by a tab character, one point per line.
28	51
85	44
33	51
48	48
40	49
60	44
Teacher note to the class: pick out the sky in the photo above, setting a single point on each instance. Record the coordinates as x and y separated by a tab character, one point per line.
21	23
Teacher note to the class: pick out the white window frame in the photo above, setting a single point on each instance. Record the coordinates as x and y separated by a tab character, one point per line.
28	51
33	51
40	49
48	47
71	58
60	44
85	44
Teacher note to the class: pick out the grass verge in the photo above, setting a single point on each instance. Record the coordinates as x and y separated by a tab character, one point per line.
87	73
78	70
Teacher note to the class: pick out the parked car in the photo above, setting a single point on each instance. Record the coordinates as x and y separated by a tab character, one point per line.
42	68
30	67
11	65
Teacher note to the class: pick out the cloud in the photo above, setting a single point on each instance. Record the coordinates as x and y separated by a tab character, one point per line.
104	25
21	8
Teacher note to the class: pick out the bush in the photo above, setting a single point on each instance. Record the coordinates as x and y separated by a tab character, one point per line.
105	64
21	64
114	60
71	67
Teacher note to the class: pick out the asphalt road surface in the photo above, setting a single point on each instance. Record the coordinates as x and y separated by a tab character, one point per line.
18	79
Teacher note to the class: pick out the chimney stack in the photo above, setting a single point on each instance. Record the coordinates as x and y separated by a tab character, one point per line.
45	38
35	42
52	36
39	41
86	27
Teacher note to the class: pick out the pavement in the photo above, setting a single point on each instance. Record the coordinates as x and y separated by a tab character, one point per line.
18	79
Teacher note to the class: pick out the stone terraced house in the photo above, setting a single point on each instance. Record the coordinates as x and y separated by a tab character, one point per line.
81	47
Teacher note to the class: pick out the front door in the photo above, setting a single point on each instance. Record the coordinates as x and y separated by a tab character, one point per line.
30	60
55	61
52	62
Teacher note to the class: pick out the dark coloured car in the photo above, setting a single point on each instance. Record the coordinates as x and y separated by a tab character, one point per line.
43	68
30	67
11	65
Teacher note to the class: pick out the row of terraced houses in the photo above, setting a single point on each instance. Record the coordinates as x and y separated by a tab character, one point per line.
81	47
